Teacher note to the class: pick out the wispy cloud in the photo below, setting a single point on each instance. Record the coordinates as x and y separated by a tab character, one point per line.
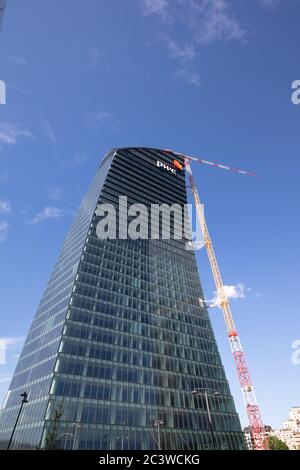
48	130
97	119
12	340
5	207
9	345
161	8
139	73
179	51
4	227
11	134
270	3
189	76
231	292
17	89
5	378
48	212
95	54
56	194
18	60
205	20
80	158
214	20
189	25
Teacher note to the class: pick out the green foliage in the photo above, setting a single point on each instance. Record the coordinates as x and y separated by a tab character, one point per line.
276	444
52	432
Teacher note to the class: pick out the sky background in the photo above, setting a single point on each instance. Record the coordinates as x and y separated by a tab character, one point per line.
210	78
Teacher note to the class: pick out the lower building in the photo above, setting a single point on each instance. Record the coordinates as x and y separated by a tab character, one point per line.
290	431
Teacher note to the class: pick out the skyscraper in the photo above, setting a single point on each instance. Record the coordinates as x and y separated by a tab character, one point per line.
121	338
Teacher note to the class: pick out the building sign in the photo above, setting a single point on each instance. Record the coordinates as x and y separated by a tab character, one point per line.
177	165
171	168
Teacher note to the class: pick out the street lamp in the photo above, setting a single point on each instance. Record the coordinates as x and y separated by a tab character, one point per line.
214	393
24	400
158	423
76	426
66	436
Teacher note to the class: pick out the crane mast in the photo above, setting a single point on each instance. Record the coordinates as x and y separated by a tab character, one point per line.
256	424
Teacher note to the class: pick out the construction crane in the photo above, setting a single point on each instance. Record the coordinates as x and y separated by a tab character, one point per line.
256	424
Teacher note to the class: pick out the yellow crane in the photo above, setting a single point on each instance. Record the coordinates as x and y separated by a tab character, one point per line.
256	424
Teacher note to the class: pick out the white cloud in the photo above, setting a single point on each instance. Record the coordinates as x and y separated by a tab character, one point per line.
190	24
5	379
80	157
4	227
55	194
17	89
194	79
11	134
11	340
48	130
177	51
214	20
9	344
157	7
205	20
18	60
270	3
95	54
96	119
139	73
231	292
5	207
189	76
48	212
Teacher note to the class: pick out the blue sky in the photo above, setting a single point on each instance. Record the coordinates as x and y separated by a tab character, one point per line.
211	78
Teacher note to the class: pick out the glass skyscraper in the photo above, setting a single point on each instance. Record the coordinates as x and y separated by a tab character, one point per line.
121	338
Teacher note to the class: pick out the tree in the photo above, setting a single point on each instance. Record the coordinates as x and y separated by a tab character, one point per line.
51	437
276	444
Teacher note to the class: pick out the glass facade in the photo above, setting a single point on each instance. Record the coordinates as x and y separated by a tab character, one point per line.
120	338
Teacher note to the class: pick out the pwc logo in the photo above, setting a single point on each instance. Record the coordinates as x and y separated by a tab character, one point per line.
172	169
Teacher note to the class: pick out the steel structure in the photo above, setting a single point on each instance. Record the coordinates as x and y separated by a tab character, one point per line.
256	424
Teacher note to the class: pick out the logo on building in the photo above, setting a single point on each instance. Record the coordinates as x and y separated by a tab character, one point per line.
177	165
171	168
2	92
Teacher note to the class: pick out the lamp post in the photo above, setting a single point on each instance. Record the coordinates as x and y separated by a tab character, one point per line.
24	400
66	436
158	423
198	391
76	426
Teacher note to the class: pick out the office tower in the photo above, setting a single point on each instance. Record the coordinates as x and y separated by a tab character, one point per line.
121	337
